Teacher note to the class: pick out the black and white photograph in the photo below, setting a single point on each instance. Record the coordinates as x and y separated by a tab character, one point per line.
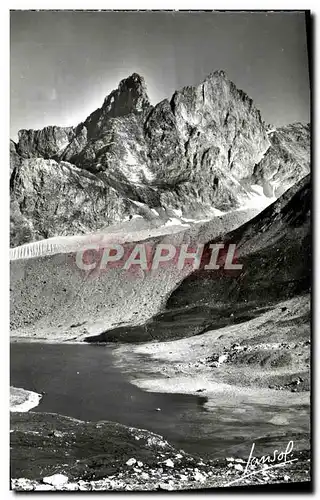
160	250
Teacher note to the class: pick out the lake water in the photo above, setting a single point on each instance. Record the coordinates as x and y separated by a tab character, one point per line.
81	381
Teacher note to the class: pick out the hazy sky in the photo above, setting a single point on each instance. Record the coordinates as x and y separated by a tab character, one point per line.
64	63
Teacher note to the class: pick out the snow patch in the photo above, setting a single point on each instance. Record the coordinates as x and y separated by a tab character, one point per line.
23	400
131	160
175	222
177	212
63	145
184	219
75	243
148	174
257	189
257	199
137	174
214	213
139	204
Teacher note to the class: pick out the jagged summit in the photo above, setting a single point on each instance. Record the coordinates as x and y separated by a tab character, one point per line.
130	97
135	83
133	90
218	73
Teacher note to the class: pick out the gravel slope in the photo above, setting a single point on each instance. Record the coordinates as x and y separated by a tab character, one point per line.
51	299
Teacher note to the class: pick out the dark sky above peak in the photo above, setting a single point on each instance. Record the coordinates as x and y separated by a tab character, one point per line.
64	63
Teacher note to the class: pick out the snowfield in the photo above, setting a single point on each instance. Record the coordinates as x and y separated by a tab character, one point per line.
22	400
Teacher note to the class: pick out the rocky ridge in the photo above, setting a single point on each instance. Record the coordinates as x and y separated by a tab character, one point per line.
200	151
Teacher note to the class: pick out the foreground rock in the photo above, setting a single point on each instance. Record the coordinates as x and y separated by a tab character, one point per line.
95	457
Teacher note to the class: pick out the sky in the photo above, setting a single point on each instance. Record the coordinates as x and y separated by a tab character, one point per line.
64	63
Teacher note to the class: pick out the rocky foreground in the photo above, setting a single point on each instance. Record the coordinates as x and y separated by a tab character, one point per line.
50	452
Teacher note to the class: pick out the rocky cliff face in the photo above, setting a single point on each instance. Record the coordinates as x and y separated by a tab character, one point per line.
287	160
200	151
63	197
45	143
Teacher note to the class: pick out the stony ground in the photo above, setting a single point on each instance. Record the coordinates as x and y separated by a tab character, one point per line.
270	351
51	452
267	356
259	370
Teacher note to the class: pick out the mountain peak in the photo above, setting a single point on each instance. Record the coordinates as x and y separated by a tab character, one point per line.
135	79
202	151
218	74
130	96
